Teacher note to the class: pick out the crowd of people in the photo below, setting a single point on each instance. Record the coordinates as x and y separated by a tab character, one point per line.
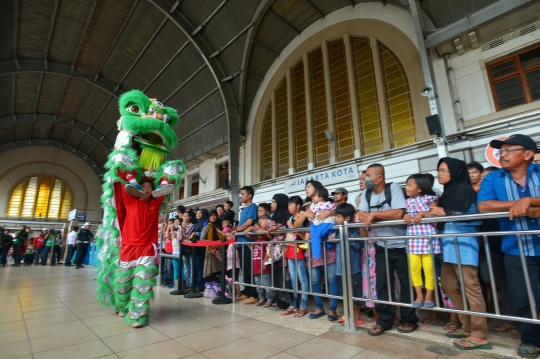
47	248
468	189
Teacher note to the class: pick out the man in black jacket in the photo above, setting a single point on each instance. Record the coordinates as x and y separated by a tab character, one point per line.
5	244
83	240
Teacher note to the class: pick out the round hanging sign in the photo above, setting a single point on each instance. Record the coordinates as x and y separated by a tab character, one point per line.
493	154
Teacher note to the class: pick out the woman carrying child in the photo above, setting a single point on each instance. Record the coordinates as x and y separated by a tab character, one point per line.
321	212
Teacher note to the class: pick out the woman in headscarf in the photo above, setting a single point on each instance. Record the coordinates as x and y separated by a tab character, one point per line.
459	197
280	215
279	207
212	264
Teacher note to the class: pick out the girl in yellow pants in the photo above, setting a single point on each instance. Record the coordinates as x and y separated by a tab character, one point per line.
421	196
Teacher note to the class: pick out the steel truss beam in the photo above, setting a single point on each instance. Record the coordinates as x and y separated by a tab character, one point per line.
473	21
10	67
76	125
203	24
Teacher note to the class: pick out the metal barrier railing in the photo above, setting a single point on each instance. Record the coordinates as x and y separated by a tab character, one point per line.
347	284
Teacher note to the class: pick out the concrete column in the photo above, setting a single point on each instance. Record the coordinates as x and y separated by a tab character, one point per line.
353	96
381	98
329	101
309	113
290	122
274	134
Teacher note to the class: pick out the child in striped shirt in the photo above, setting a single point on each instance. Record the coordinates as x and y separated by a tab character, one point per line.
421	195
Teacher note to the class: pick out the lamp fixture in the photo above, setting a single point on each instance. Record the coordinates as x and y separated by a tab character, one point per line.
426	91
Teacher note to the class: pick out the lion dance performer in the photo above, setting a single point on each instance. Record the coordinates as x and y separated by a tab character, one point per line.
137	183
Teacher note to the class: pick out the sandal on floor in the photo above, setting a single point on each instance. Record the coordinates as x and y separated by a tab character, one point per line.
289	311
429	320
528	350
476	345
412	328
260	303
300	313
502	328
456	336
376	327
452	326
267	304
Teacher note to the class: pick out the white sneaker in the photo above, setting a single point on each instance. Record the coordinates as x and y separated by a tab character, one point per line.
163	190
133	190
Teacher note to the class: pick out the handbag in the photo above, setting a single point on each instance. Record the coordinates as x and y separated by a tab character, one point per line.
186	250
274	252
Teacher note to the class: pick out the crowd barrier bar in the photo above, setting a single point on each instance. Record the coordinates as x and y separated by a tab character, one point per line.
347	284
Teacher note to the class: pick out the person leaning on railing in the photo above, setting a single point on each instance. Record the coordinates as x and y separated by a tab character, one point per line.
380	208
459	197
516	189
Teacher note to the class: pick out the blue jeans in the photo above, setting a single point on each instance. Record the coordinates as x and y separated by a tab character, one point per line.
301	271
175	262
264	293
332	284
201	251
188	267
44	253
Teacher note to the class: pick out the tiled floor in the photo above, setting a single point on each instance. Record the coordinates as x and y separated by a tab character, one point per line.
52	313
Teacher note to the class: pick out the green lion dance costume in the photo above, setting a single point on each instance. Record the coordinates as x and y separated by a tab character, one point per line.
130	219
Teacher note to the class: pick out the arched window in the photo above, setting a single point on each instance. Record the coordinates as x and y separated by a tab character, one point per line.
354	100
43	196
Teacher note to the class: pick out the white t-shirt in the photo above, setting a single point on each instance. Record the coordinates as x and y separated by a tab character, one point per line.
176	241
71	237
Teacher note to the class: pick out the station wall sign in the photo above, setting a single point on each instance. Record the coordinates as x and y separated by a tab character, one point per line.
336	175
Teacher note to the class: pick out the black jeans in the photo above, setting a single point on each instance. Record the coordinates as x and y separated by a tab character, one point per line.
17	253
397	262
82	249
70	250
530	333
5	251
245	264
57	251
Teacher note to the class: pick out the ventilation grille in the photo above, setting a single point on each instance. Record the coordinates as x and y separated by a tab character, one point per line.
513	35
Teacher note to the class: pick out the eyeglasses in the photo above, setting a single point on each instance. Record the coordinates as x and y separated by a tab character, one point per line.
443	171
502	152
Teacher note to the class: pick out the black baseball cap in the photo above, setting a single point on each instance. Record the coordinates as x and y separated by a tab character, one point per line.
521	140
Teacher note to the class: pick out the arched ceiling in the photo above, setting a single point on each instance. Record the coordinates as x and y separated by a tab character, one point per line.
63	65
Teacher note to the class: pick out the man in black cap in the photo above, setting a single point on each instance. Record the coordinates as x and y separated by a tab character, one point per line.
516	189
5	244
340	195
83	240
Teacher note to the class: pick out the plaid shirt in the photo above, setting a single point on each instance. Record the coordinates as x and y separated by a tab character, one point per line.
421	245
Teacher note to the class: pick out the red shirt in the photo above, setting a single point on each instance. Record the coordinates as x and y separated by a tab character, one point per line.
258	254
39	242
168	246
141	223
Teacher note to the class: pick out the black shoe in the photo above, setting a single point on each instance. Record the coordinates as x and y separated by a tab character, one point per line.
77	267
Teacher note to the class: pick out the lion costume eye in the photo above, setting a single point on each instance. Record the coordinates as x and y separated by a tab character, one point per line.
133	109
